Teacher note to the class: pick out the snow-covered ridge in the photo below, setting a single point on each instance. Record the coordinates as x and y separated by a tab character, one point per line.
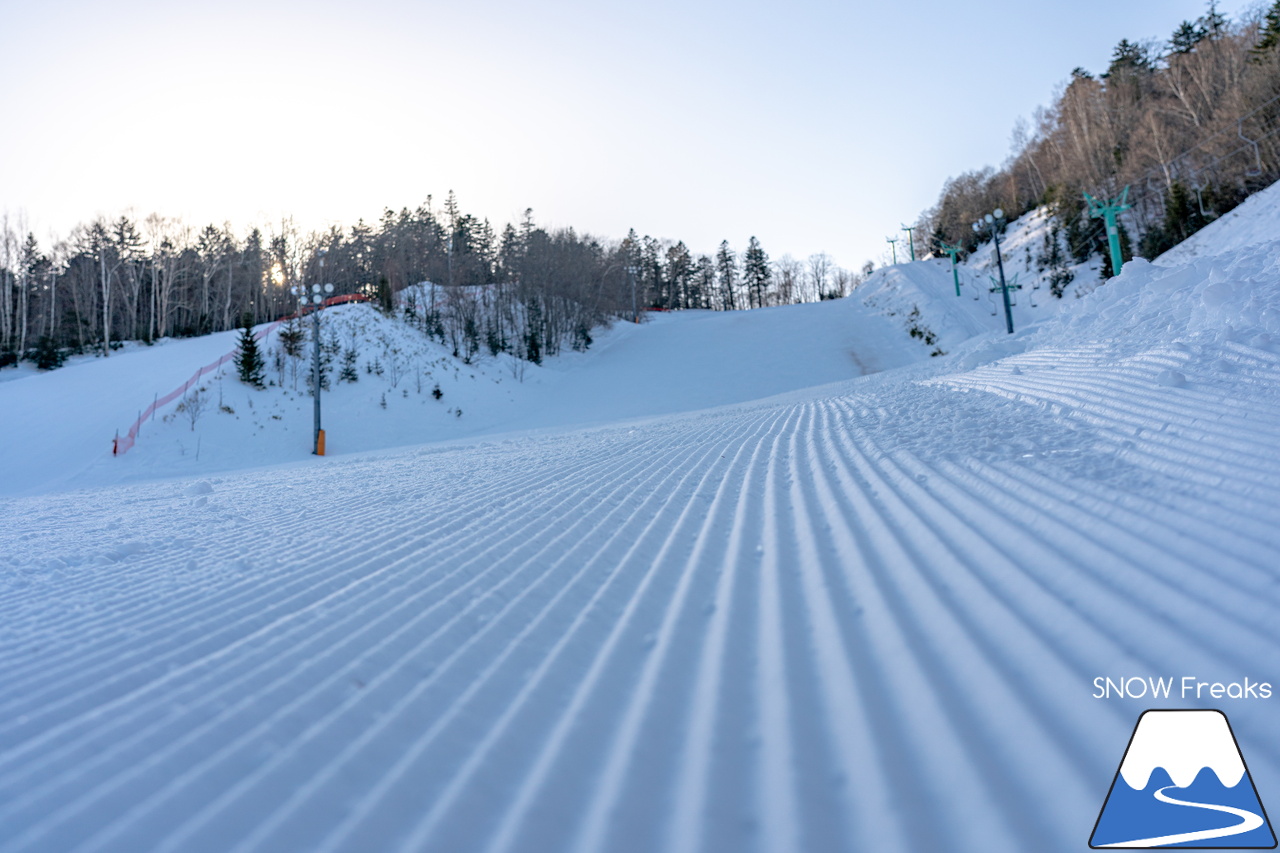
1253	222
1183	743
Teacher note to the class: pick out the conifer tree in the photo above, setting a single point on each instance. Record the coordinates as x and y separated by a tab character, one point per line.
1269	33
292	338
727	270
756	273
1186	37
1214	23
249	362
348	372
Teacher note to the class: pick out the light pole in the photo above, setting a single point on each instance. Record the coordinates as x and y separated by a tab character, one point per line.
631	274
993	221
893	244
314	299
910	242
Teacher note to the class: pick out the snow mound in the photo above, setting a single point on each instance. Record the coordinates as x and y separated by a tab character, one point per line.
1250	224
1235	298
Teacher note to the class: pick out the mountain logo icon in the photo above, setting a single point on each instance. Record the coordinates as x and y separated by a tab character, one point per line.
1183	783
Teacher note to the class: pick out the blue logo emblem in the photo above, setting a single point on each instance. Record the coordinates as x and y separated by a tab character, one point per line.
1182	783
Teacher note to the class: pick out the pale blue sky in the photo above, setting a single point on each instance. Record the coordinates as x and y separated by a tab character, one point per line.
814	126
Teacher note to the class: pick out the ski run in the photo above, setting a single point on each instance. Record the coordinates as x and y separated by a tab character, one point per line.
767	603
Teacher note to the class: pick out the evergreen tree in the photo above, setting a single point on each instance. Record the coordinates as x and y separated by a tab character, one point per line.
386	301
48	356
1214	23
1129	59
292	337
727	272
703	283
1269	34
533	349
327	351
1186	37
679	275
756	273
349	372
249	362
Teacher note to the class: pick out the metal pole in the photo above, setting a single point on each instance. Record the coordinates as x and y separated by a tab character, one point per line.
315	375
910	242
1113	239
1108	214
952	252
893	244
635	311
1004	288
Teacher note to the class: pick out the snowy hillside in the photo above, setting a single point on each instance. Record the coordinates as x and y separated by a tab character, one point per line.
1252	223
863	614
922	296
64	421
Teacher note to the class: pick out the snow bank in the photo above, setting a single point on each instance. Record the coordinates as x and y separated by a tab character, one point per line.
1253	222
1234	297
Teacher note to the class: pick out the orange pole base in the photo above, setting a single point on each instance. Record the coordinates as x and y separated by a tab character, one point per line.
320	444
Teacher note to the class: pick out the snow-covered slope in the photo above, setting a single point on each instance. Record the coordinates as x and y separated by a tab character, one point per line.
1254	221
60	425
921	297
861	616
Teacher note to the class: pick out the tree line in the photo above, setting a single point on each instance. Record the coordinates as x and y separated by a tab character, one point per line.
1189	124
526	290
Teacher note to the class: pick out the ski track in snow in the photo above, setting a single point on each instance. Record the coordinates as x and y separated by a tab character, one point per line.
862	621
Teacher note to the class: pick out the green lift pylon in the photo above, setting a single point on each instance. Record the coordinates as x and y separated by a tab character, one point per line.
952	251
1108	213
893	243
910	241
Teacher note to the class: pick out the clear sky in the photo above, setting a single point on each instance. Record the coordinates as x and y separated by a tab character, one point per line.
816	126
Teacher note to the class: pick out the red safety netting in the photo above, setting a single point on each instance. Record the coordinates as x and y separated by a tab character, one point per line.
122	443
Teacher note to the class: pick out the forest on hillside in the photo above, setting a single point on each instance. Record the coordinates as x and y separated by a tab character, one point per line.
1190	125
526	290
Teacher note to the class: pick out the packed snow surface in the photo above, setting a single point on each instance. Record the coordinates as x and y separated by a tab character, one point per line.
863	614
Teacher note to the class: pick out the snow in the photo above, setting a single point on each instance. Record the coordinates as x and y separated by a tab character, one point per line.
770	581
674	363
923	294
1252	223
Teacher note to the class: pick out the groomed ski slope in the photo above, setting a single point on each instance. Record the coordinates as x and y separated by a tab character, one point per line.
863	617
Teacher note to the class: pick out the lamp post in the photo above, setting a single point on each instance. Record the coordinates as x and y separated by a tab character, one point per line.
315	299
911	243
993	221
632	270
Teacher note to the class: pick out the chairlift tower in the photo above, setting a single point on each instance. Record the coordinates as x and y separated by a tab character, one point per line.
952	252
1108	212
893	244
992	222
911	243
